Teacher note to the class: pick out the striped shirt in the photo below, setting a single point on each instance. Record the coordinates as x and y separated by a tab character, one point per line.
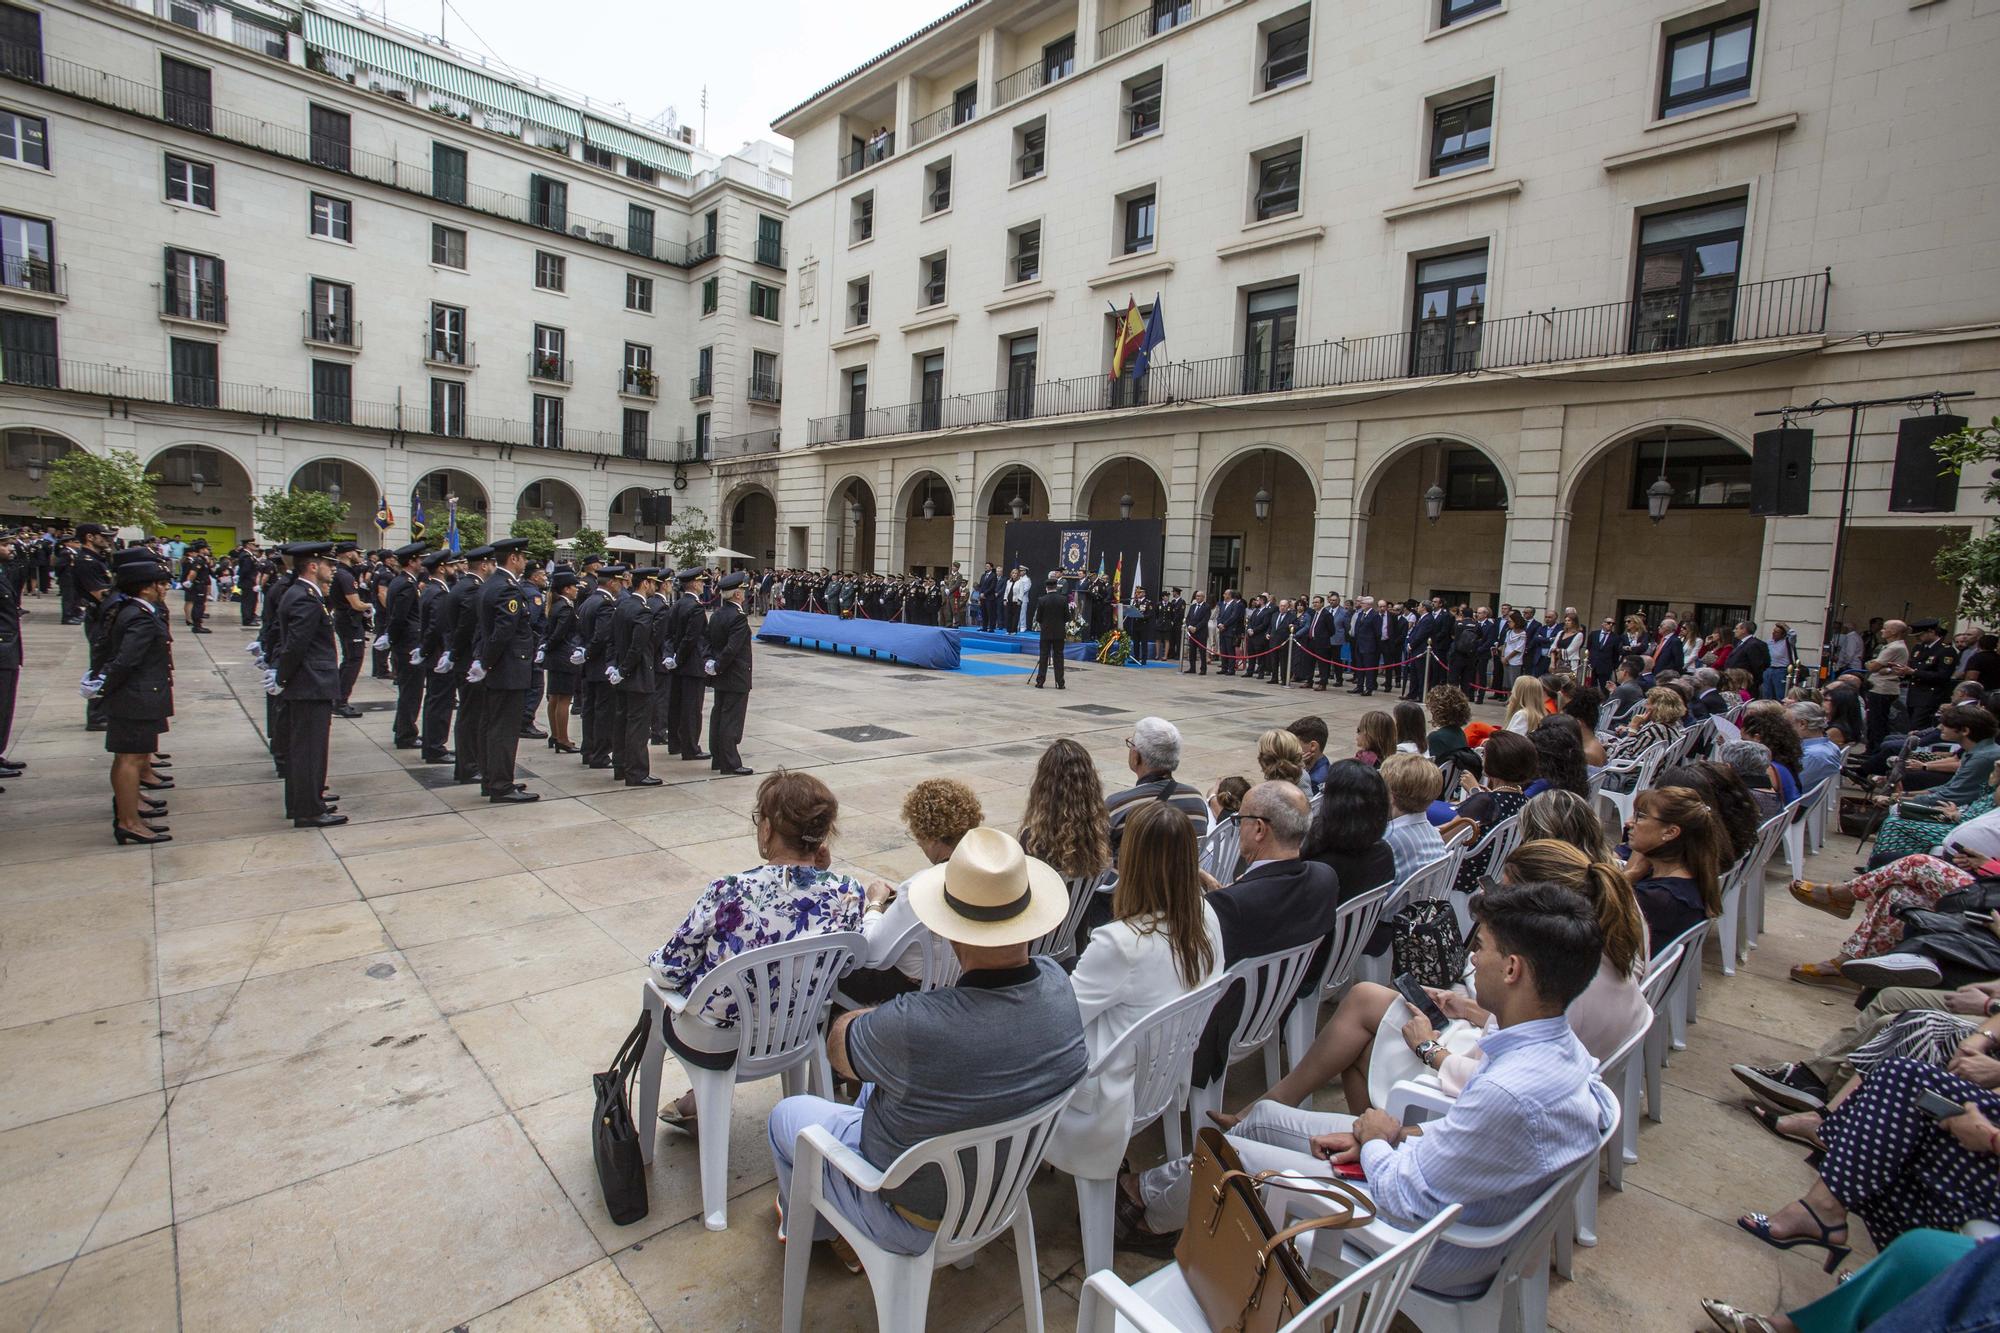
1156	786
1414	840
1532	1109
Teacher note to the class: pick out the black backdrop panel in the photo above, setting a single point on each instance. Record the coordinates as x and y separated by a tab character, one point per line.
1138	539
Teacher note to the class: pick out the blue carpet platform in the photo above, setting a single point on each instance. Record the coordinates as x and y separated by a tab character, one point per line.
884	641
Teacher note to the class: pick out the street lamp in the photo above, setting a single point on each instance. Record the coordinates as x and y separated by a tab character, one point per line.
196	482
1433	502
1661	493
1125	505
1261	503
930	505
549	510
333	492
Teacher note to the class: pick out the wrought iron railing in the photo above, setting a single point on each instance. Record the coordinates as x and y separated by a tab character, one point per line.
764	388
26	64
639	381
701	386
742	446
1029	79
1780	308
32	273
554	369
702	248
925	128
331	330
1157	17
202	301
770	254
878	149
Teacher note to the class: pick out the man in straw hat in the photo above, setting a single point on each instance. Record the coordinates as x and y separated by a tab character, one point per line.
1004	1040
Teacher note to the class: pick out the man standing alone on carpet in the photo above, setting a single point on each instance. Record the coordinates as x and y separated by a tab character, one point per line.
1052	619
728	669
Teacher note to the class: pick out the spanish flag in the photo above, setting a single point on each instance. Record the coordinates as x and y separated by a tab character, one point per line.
1131	331
1118	580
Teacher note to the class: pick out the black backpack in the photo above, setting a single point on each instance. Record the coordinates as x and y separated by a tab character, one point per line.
1467	639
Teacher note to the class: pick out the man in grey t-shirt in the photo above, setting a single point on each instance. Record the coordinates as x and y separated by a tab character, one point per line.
1006	1039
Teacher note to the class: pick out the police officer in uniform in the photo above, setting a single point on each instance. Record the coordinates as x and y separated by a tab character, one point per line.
307	677
400	624
560	644
728	669
684	659
630	671
350	623
374	584
662	614
249	568
136	686
535	588
196	571
270	639
1933	664
91	579
593	635
10	656
438	686
503	663
461	626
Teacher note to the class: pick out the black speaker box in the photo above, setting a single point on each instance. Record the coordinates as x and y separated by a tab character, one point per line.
1921	483
657	510
1781	472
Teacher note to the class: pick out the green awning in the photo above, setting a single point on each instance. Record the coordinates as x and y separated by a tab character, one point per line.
471	86
555	116
359	45
642	150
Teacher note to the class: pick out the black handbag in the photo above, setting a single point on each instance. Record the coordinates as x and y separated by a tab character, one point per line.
621	1170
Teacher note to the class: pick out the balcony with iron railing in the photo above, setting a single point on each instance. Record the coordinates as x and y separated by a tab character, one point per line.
770	254
764	388
24	63
329	330
1029	79
639	382
1159	16
547	369
35	275
702	385
925	128
723	447
196	302
878	149
450	353
1757	312
703	248
122	384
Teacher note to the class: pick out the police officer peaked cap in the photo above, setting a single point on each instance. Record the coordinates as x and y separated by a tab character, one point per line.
410	550
613	572
593	560
88	529
508	545
562	578
479	553
133	555
434	559
647	572
139	573
342	548
1925	624
732	581
691	573
307	550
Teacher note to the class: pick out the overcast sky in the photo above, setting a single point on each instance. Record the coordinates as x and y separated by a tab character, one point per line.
757	57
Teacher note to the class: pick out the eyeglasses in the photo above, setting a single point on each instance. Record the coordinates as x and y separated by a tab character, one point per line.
1237	817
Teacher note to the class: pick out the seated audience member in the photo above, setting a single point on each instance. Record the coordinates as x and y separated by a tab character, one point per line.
1732	804
1413	783
1559	757
1527	705
1536	1109
1280	759
1067	824
1375	737
1628	693
1774	731
1915	882
1657	723
1311	734
1752	762
1004	1040
1739	682
1676	847
1819	758
1410	737
1845	722
1807	1085
1912	828
789	893
1449	713
1227	798
1918	1284
1153	752
1708	700
1584	703
1567	817
1346	833
937	812
1163	941
1510	767
1971	728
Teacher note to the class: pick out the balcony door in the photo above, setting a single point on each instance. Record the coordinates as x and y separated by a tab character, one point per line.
1021	355
1270	329
1685	288
931	395
857	403
1450	306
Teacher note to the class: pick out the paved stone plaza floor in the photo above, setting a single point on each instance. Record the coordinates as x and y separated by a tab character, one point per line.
266	1077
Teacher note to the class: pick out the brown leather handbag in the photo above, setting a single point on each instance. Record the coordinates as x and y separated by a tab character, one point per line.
1246	1274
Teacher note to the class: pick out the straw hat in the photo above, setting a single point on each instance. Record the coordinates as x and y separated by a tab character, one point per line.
990	893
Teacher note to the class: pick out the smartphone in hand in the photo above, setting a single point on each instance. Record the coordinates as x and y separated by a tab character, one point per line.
1937	1105
1420	1000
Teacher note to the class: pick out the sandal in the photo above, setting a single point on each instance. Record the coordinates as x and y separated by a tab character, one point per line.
1732	1320
1759	1226
1822	974
1821	898
1769	1119
673	1117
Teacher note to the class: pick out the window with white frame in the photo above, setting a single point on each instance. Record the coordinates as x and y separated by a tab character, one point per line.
190	182
332	219
24	139
1275	192
1024	253
638	293
550	271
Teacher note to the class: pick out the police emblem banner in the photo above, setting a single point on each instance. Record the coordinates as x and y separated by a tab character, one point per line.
1074	549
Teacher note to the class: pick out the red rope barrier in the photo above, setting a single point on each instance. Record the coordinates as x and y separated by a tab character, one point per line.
1345	666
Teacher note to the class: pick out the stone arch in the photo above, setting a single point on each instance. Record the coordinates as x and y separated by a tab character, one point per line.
551	498
1402	552
27	450
850	536
621	515
322	472
990	483
1121	469
229	450
1211	484
1367	483
919	543
1573	475
438	483
1275	552
206	490
757	534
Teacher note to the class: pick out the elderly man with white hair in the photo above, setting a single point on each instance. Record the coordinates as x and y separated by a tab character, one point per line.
1822	756
1152	752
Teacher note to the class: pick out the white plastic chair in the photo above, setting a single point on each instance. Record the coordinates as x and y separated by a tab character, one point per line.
1640	768
940	963
1659	979
1352	925
1270	984
1162	1045
1798	828
1616	1071
782	993
1498	844
1364	1301
1670	1009
986	1173
1518	1295
1432	879
1060	943
1742	918
1220	849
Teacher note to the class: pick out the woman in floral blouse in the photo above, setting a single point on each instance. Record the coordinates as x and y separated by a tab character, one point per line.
791	893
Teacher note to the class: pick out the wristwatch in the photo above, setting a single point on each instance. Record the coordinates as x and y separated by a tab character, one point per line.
1428	1048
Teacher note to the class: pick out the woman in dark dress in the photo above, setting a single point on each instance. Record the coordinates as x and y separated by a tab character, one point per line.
138	692
1676	844
1346	833
560	645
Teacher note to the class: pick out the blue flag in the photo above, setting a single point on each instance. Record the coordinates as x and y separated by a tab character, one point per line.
1156	333
451	526
416	517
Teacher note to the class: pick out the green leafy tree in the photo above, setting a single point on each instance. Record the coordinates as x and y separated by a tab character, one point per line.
1972	564
588	542
541	535
298	516
690	539
471	531
113	489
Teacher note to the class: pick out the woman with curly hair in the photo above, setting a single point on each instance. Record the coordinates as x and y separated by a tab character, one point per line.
1449	713
1065	823
937	812
1560	751
1774	731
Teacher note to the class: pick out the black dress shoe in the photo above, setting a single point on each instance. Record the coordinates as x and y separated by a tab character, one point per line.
698	754
329	796
533	733
320	821
350	712
648	781
515	797
161	756
597	763
737	772
15	764
405	745
166	784
442	757
560	748
203	629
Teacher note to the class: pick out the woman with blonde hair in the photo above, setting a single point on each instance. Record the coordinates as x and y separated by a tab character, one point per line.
1566	817
1163	941
1283	759
1065	822
1658	722
1527	705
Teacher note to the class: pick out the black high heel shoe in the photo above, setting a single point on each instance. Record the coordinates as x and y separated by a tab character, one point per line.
165	784
125	835
1759	1226
564	749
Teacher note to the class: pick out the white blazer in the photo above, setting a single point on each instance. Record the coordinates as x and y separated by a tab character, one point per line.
1122	976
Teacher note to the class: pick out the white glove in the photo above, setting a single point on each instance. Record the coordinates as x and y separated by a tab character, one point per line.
90	686
475	673
538	656
444	663
612	674
271	685
382	641
576	656
416	657
668	661
256	652
708	667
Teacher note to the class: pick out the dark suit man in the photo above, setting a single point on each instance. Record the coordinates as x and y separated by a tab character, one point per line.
1276	906
1367	631
593	630
10	648
248	569
1195	630
1602	652
1669	657
1396	633
309	683
1418	646
462	626
440	688
1285	626
1751	653
728	668
1052	621
1230	614
404	634
1257	635
631	673
504	659
689	652
667	636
